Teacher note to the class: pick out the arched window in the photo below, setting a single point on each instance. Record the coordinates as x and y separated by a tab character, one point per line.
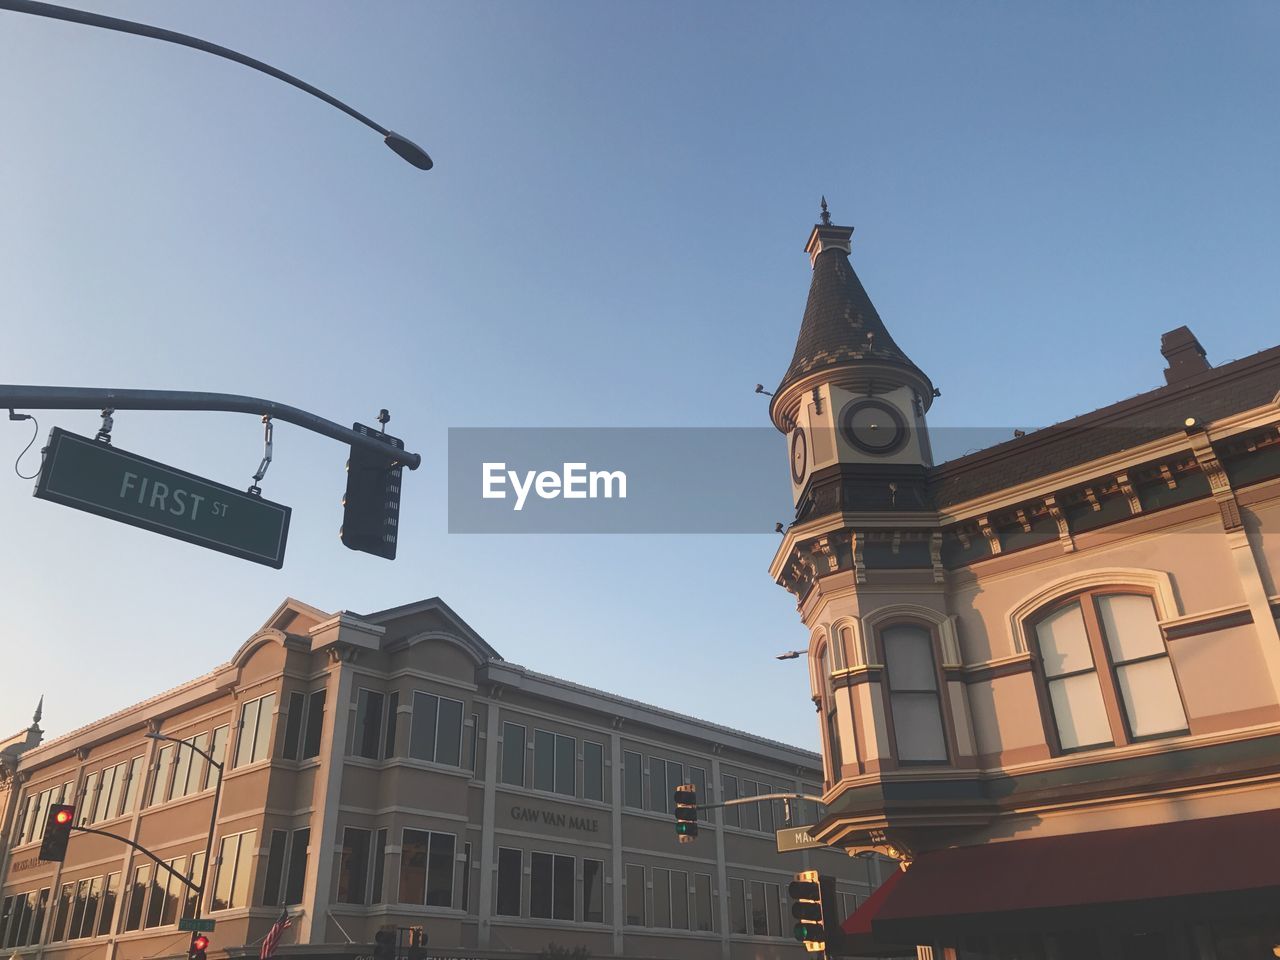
1106	671
829	714
911	676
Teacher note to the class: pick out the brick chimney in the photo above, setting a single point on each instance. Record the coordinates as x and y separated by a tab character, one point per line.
1184	353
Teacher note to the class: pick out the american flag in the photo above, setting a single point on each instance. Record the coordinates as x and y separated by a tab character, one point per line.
273	936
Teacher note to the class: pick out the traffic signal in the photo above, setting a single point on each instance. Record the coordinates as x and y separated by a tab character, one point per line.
57	831
384	945
686	797
371	505
806	907
417	943
199	944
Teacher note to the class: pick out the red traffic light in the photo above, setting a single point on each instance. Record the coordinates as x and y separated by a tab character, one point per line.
62	816
201	942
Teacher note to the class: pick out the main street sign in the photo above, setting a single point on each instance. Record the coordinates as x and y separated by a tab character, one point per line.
98	478
197	924
796	838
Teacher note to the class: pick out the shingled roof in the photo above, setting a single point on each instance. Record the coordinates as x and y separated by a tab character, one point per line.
841	325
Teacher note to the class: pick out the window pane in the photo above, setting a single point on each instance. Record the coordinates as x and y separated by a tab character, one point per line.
544	760
680	899
513	756
1130	625
64	912
413	867
293	725
1150	696
197	868
297	866
174	892
137	899
540	885
917	726
155	896
563	888
737	906
702	902
248	725
658	799
908	653
592	770
422	728
771	908
675	777
219	752
315	725
93	894
379	864
566	765
1064	645
244	870
368	730
198	772
1079	712
465	905
593	891
661	897
633	782
766	810
181	769
393	720
440	870
750	811
473	734
732	815
635	894
89	798
133	786
449	735
508	895
759	909
353	866
698	777
42	905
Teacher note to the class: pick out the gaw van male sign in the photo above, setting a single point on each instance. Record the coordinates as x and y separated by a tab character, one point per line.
98	478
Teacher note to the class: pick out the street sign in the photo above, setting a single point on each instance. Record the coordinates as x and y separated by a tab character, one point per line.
98	478
796	838
196	924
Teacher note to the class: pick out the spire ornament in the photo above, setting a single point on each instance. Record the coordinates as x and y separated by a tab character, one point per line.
826	214
35	717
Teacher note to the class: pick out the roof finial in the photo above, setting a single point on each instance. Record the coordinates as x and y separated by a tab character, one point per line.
35	717
826	216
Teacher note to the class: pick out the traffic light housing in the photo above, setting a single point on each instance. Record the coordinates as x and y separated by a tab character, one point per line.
57	831
199	944
686	800
371	505
417	943
384	945
805	892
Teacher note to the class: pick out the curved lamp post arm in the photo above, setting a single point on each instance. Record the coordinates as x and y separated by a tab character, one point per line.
403	146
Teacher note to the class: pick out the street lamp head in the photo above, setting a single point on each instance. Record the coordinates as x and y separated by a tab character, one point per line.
409	150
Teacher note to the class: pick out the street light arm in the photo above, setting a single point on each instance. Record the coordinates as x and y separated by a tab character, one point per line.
19	396
188	744
401	145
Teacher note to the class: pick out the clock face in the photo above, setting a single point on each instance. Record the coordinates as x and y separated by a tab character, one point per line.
873	426
799	454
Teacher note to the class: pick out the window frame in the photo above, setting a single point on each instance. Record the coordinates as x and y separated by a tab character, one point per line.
1105	667
939	692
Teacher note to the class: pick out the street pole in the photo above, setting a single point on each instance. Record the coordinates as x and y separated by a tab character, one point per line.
17	396
201	894
402	146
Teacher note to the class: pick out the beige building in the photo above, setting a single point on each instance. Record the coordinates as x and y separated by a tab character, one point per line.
1048	673
393	770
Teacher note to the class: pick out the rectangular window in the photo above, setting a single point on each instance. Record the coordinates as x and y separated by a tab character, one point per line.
353	866
513	755
137	898
199	773
368	729
680	899
473	736
42	905
593	891
436	730
1144	675
181	769
217	750
155	898
89	797
702	916
750	812
132	786
661	892
440	870
510	864
913	694
449	733
658	785
63	914
637	915
108	793
174	891
698	777
413	866
160	776
235	860
297	873
729	787
633	780
553	762
759	910
592	770
772	910
271	888
197	868
293	725
379	864
92	894
465	905
1072	678
393	720
255	730
314	725
737	905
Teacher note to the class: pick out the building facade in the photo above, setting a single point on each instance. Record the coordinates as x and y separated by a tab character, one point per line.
1048	672
393	770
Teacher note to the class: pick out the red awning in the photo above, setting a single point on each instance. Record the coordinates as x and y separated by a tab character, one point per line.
1206	866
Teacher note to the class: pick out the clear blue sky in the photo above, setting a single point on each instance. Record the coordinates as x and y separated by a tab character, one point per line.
612	235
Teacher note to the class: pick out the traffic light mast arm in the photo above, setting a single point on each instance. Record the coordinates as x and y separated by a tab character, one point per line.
198	888
757	799
19	396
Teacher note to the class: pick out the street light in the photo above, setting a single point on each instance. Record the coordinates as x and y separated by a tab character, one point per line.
790	655
213	814
401	145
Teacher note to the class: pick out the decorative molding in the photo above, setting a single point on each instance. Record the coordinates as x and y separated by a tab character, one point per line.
1157	581
1219	483
1064	528
935	557
859	561
993	538
1122	481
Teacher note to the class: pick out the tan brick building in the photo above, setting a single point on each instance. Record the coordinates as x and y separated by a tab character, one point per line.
1048	672
498	808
